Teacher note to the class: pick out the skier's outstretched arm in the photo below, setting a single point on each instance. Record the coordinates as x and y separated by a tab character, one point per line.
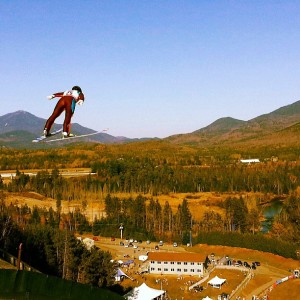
60	94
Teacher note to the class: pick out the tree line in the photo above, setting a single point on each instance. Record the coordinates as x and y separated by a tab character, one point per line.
146	177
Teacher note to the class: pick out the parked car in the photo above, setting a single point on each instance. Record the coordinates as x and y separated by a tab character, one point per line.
161	243
174	244
148	242
246	265
156	247
112	239
199	288
238	263
256	263
121	243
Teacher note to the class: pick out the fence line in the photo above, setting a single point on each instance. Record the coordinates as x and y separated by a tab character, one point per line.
239	287
14	261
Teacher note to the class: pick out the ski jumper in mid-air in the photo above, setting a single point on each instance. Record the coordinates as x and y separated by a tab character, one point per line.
66	103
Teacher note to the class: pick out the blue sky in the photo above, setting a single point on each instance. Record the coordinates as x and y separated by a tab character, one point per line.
150	68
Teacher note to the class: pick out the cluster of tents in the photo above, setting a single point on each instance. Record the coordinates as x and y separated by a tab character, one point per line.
144	292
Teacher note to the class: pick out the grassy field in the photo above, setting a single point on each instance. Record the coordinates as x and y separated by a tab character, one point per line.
198	203
287	290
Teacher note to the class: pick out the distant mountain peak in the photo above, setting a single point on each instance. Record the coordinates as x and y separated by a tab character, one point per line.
227	121
222	124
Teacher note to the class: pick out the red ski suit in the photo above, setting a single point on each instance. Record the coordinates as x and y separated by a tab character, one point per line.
66	103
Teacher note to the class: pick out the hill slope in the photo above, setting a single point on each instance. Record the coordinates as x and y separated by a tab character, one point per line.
269	128
280	126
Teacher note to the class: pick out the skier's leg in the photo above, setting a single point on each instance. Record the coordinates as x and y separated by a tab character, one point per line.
59	108
70	108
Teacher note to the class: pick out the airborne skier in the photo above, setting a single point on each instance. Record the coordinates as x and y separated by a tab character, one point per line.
66	103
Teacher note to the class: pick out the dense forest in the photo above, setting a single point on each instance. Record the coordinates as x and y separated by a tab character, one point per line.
152	175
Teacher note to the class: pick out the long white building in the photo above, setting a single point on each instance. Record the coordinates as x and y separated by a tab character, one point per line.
250	161
176	263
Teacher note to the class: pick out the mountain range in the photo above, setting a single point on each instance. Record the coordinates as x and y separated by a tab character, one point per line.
281	126
277	127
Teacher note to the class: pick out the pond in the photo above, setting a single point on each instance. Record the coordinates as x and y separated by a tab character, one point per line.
269	212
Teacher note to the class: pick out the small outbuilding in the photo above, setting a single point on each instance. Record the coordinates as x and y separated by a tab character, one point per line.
143	257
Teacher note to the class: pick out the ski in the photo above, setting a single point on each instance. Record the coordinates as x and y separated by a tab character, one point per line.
75	137
42	137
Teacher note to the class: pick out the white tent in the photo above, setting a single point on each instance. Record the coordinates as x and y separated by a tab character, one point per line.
144	292
216	282
120	274
206	298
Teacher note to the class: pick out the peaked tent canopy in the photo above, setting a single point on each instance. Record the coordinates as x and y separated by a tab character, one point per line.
216	282
144	292
121	274
206	298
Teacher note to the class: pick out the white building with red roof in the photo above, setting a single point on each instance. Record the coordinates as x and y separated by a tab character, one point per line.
176	263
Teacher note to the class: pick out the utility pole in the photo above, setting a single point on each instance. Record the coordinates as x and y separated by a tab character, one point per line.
191	243
19	256
121	229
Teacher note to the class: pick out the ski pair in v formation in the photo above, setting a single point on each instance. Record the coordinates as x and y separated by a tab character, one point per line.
46	139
